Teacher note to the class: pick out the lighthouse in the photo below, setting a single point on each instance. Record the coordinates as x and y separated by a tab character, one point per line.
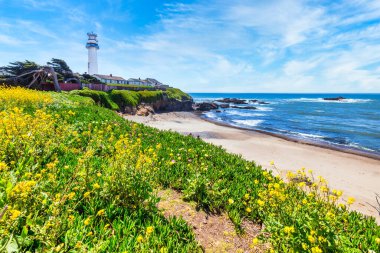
93	47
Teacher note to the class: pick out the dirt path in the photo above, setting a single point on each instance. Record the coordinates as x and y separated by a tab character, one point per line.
215	233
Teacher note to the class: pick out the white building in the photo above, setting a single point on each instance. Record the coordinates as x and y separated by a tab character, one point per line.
111	79
136	81
93	47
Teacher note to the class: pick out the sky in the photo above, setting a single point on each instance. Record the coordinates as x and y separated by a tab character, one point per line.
206	45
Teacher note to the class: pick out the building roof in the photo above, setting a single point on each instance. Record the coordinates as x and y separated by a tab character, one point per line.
110	77
135	80
153	81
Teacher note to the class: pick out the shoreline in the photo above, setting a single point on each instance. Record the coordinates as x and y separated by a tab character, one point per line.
357	176
295	139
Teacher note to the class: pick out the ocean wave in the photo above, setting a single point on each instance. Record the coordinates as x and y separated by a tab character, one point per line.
357	146
321	100
211	115
251	122
313	136
245	114
264	109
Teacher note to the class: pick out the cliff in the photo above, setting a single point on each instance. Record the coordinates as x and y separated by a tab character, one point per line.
140	102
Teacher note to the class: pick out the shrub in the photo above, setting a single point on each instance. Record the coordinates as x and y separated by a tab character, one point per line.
100	97
175	93
150	96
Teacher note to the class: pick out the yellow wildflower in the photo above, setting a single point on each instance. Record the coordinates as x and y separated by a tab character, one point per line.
304	246
71	195
90	233
78	245
96	186
260	202
87	221
86	194
70	218
59	247
301	184
99	174
3	166
149	230
350	200
311	239
100	212
377	240
140	238
230	201
289	230
248	210
316	249
255	241
246	196
15	214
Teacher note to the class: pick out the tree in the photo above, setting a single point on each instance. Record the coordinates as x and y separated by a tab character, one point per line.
29	74
61	68
18	68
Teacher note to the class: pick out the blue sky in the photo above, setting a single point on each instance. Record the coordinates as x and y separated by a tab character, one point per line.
206	46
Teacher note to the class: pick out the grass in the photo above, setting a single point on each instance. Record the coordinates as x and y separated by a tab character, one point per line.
175	93
119	99
77	177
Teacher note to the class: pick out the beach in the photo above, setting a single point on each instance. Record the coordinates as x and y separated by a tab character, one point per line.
357	176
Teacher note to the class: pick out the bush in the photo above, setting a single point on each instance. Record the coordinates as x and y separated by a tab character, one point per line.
125	98
100	97
175	93
150	96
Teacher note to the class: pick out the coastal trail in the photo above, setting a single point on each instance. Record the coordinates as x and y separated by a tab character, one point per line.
214	232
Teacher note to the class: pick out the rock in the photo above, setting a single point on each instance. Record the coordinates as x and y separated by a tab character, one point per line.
224	106
144	110
232	100
334	99
255	101
205	106
244	107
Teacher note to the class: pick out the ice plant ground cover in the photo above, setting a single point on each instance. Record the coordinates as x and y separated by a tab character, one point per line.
77	177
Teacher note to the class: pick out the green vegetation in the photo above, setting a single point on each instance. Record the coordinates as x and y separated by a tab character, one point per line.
80	178
131	86
125	98
175	93
100	97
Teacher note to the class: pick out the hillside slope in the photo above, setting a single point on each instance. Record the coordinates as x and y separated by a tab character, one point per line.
77	177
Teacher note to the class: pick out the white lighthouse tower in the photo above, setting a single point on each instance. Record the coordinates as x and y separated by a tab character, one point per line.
93	47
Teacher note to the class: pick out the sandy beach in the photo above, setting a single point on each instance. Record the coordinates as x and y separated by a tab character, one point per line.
355	175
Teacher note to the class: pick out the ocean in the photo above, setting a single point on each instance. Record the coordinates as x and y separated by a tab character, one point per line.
352	124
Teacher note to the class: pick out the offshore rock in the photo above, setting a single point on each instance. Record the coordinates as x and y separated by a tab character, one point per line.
206	106
334	99
244	107
232	101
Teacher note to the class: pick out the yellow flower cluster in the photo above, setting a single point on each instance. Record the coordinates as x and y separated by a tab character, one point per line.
18	95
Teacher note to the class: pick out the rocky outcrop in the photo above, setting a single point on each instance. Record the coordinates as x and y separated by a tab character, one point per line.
334	99
224	106
206	106
232	101
244	107
163	105
255	101
144	110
